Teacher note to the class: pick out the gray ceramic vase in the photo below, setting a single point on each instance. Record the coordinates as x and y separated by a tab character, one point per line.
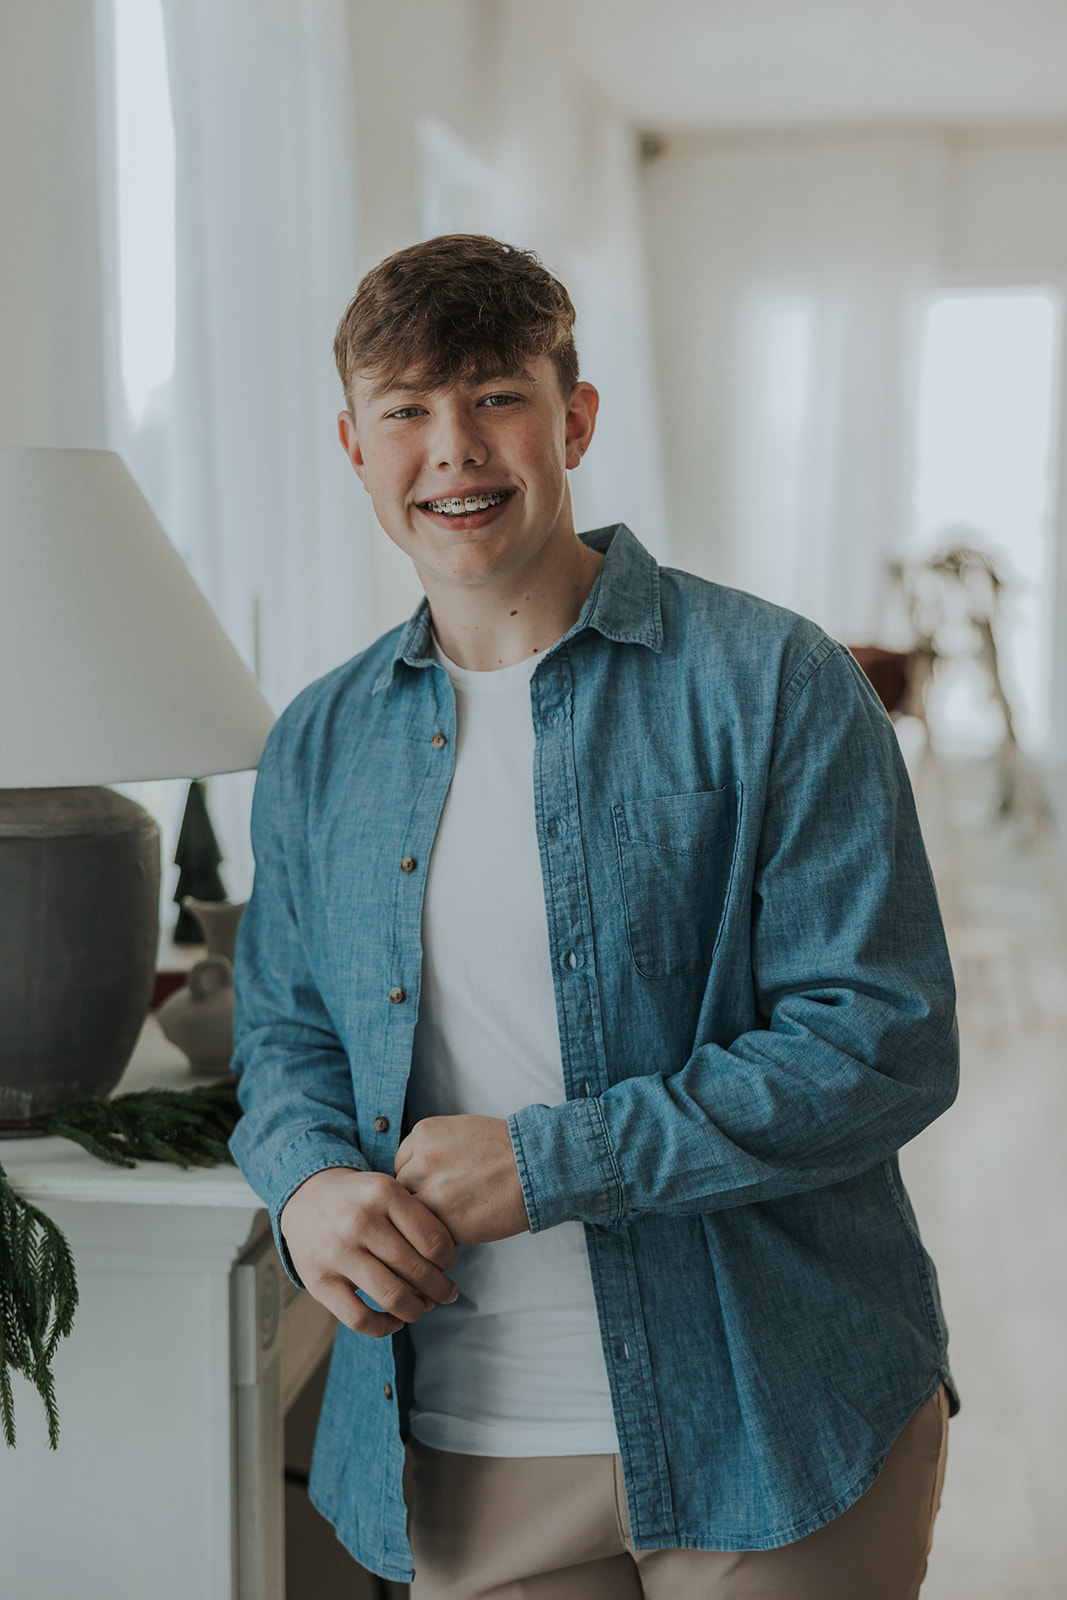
79	923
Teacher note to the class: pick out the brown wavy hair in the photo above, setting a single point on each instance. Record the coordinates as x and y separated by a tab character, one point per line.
458	307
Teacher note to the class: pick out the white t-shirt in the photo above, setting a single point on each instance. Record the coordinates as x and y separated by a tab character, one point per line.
514	1367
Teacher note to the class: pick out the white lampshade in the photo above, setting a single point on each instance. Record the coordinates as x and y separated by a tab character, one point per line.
113	667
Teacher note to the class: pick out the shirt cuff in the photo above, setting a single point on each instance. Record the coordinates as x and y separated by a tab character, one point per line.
565	1165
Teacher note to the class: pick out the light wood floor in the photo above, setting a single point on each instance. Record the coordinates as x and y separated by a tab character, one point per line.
989	1183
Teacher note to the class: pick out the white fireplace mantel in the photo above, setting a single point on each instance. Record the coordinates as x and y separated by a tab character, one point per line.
188	1345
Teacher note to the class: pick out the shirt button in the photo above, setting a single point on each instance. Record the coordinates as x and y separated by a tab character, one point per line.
381	1124
408	863
438	741
387	1390
397	995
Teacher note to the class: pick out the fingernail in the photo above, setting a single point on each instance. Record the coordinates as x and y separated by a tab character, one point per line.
453	1296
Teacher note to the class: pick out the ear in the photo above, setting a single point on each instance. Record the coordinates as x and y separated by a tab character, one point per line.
346	432
581	420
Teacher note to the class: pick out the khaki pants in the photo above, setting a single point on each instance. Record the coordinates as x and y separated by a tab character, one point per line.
556	1529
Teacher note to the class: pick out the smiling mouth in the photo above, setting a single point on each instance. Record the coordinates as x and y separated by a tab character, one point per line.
465	505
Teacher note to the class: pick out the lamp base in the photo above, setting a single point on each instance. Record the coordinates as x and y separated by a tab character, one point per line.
79	926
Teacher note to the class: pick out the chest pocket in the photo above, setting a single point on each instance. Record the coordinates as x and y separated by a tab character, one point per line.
676	855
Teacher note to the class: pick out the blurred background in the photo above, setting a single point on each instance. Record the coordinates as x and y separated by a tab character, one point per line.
819	254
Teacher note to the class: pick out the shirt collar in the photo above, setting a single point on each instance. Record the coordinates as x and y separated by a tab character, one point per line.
623	604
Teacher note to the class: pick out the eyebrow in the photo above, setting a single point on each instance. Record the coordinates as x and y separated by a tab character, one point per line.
406	386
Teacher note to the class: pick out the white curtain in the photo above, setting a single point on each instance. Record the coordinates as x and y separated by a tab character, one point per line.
264	506
790	280
621	479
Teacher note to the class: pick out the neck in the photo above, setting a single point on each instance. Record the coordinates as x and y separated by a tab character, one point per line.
487	627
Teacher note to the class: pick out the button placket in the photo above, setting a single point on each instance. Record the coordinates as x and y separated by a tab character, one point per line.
569	911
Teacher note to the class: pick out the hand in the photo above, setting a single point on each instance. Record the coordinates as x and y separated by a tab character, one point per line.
463	1168
349	1230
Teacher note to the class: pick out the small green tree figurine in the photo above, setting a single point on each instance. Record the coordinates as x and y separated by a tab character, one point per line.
197	858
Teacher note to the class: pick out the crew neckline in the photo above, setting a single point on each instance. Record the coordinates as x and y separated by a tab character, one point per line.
491	680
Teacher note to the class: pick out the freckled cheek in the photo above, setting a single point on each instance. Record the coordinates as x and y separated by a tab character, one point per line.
392	470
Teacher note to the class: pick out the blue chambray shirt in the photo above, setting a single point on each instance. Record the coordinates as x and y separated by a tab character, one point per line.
755	1008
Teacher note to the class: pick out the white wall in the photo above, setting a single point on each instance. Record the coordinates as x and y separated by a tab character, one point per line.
1005	217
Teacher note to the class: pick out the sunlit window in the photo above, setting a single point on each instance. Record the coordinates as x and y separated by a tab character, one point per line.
145	154
987	460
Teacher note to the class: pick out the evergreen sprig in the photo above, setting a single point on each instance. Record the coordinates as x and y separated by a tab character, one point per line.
38	1298
38	1284
187	1127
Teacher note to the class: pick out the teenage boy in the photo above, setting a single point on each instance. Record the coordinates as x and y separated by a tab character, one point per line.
592	978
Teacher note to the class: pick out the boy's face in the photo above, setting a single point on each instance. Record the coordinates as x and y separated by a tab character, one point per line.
503	447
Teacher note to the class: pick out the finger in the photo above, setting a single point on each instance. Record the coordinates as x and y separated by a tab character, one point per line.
399	1256
422	1228
417	1139
403	1155
342	1300
411	1180
382	1283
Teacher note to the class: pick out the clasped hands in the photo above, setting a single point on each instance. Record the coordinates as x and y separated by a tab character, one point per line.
395	1238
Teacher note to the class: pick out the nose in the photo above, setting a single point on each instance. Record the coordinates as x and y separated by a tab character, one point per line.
455	440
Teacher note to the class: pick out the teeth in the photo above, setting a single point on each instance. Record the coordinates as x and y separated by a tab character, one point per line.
464	507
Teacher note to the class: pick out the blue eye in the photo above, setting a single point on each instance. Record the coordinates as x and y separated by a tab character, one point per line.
497	402
405	411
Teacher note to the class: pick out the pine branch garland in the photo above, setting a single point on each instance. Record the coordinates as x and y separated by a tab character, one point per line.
186	1127
38	1283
